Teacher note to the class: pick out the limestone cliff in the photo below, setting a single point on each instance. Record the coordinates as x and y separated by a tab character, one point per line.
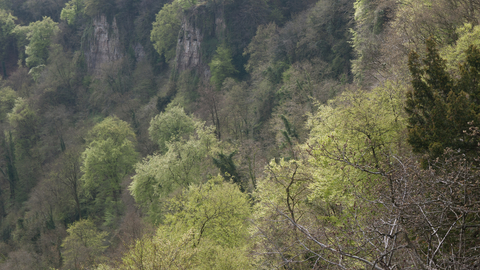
104	45
200	25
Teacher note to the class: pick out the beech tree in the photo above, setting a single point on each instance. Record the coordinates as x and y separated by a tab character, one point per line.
165	30
72	10
313	210
187	159
221	66
39	36
68	174
83	245
217	210
24	121
7	24
172	125
109	157
7	101
205	227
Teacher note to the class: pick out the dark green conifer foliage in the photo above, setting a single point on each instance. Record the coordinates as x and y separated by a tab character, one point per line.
10	173
289	131
440	107
228	169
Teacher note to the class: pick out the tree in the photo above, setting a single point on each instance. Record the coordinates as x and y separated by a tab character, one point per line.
172	125
83	245
315	209
217	211
109	157
165	30
206	228
96	7
7	101
440	106
221	66
39	37
68	174
454	54
72	10
7	24
24	122
228	168
165	250
371	24
25	138
10	172
187	159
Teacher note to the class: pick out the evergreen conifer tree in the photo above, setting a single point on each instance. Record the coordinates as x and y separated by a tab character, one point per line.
441	107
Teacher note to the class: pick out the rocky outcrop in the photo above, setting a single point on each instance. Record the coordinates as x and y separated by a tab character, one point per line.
104	45
198	25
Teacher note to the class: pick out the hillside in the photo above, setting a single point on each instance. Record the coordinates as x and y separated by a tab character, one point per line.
239	134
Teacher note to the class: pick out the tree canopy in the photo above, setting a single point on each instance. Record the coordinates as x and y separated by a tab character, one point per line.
440	107
109	157
165	30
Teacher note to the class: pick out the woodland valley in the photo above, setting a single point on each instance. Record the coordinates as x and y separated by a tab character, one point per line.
239	134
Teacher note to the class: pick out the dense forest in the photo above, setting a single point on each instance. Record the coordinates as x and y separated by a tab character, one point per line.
239	134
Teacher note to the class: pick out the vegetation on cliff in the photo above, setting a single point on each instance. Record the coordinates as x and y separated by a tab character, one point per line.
239	134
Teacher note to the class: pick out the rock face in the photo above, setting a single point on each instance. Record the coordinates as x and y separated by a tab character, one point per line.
198	24
104	45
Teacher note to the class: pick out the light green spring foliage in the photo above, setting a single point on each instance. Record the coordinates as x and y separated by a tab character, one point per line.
363	36
83	246
165	30
186	4
72	10
217	210
284	192
174	249
23	119
7	101
187	160
167	249
7	24
356	131
39	35
172	125
109	157
283	189
104	267
206	228
455	54
221	66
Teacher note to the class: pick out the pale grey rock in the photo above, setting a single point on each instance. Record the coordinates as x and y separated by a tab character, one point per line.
104	47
